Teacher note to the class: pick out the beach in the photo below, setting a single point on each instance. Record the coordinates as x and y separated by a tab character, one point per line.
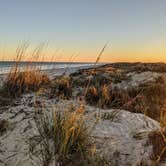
113	105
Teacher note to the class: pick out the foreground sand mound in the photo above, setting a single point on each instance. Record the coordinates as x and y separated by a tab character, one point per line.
119	135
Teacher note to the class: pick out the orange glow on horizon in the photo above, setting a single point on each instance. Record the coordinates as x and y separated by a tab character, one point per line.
155	54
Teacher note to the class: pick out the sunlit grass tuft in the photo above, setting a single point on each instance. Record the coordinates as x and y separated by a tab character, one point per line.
22	79
22	82
64	139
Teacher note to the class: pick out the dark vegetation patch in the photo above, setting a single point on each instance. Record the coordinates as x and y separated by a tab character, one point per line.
140	67
4	125
61	87
98	76
154	98
106	97
158	140
149	99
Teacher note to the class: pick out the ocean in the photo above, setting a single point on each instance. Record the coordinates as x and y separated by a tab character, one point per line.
5	66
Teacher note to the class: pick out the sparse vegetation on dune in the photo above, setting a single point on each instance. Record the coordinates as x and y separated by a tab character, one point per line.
148	98
97	77
61	87
158	140
140	67
106	97
22	82
64	139
23	79
154	98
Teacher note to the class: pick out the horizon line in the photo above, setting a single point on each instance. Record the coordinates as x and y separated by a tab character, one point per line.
26	61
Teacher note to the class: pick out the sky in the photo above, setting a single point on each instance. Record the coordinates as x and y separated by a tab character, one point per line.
134	30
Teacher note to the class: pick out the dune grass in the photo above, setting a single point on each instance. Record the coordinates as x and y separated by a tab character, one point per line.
106	97
61	87
23	79
158	140
148	99
64	139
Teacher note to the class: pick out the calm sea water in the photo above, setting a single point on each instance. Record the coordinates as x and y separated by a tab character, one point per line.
5	66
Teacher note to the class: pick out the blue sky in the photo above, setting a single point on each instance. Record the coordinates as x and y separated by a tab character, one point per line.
133	28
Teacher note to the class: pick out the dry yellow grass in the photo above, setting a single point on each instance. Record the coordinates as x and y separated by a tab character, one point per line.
94	71
25	81
64	138
26	78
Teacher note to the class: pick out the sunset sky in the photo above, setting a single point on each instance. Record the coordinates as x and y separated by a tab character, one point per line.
135	30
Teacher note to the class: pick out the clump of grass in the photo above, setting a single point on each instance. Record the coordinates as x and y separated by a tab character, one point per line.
106	97
99	96
158	140
136	104
62	87
92	95
23	79
23	82
64	138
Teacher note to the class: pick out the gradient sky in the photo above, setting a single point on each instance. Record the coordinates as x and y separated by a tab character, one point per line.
134	29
